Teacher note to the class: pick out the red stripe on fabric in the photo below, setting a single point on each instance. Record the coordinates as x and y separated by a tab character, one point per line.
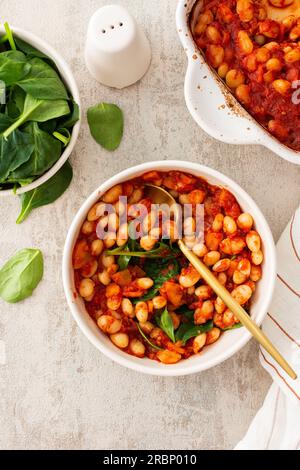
283	330
292	238
288	286
279	375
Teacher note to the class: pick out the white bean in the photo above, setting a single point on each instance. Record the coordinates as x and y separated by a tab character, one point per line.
86	288
121	340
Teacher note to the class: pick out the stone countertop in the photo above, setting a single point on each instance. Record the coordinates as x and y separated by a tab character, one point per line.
56	389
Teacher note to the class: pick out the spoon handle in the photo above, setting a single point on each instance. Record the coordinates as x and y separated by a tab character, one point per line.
236	308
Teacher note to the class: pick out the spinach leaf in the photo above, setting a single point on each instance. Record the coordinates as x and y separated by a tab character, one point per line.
28	49
146	339
149	296
11	110
13	67
43	82
18	96
106	124
46	152
24	182
3	39
163	250
14	151
190	330
42	110
9	36
69	121
234	327
165	322
14	55
188	313
21	275
48	126
124	260
130	246
160	271
38	110
47	192
5	122
63	135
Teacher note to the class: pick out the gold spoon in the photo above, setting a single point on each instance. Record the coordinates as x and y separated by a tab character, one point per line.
160	196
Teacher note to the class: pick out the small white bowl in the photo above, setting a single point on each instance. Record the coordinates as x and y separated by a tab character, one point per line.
211	104
69	80
231	341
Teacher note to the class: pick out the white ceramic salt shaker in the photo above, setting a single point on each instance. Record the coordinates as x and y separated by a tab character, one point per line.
117	51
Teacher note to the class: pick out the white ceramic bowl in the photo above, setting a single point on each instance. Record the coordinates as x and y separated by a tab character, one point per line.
210	103
68	78
231	341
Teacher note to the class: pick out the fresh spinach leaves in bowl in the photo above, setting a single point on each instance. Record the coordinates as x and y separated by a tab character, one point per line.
37	113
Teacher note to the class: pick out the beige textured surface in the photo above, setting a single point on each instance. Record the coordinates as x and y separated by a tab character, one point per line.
56	390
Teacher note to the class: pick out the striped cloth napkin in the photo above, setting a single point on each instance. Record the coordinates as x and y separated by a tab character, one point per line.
277	424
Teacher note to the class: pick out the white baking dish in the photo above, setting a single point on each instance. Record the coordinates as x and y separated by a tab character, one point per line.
212	105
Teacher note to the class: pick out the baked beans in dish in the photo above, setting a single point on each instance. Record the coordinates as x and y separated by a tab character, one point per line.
138	287
258	59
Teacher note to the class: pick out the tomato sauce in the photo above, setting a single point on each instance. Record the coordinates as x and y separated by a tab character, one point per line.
266	56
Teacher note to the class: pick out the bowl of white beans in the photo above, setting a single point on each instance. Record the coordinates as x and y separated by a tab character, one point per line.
117	307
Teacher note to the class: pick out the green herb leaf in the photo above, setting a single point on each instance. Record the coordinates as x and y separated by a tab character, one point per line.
106	123
190	330
46	193
146	339
21	275
165	322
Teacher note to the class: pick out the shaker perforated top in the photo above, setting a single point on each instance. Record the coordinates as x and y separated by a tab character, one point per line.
117	51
